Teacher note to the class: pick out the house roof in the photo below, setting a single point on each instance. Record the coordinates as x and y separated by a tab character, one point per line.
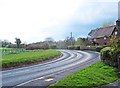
91	32
102	32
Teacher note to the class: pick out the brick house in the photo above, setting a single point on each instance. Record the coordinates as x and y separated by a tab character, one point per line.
101	36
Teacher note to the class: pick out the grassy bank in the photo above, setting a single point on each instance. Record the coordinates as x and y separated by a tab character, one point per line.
12	60
93	76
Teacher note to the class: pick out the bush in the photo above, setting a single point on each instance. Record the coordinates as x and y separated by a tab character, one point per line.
71	47
77	47
37	46
110	55
114	54
74	47
82	47
99	48
105	55
92	48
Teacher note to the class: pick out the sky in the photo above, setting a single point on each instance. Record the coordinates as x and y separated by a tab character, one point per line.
35	20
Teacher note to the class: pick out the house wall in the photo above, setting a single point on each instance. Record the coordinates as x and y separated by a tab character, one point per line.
101	41
118	37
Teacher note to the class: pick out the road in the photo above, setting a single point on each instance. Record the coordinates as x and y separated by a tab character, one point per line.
47	73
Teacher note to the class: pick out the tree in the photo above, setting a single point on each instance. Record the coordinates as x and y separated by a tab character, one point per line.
18	42
61	45
115	42
82	41
50	42
38	45
5	43
70	41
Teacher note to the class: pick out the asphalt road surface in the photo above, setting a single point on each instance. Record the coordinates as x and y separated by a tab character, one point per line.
47	73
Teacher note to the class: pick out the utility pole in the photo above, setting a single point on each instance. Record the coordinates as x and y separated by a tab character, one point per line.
119	10
71	38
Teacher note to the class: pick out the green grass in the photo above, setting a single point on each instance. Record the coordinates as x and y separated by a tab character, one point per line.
12	60
93	76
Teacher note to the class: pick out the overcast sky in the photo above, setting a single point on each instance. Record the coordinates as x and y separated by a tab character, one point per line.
34	20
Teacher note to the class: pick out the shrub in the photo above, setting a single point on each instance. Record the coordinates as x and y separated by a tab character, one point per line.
77	47
99	48
105	55
92	48
114	56
82	47
37	46
110	55
71	47
74	47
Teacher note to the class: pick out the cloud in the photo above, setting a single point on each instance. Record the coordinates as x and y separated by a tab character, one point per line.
34	20
27	18
92	15
96	11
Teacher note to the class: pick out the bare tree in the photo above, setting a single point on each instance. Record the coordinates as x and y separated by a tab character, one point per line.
61	45
50	41
18	42
70	41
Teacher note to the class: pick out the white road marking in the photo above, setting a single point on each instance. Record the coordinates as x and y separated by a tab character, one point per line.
30	81
39	78
49	79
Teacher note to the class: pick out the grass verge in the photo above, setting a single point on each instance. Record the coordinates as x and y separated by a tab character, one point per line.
93	76
13	60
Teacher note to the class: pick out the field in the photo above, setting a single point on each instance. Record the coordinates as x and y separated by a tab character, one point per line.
8	51
93	76
18	57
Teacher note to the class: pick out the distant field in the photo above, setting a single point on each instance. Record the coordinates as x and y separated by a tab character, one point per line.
16	57
7	51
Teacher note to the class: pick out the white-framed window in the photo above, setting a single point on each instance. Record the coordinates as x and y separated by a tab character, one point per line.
105	38
116	32
94	40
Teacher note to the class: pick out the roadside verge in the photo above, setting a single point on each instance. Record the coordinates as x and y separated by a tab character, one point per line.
96	75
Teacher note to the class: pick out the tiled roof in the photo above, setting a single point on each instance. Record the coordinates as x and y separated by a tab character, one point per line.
91	32
102	32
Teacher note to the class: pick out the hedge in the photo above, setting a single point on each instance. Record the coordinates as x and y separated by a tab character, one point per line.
92	48
110	55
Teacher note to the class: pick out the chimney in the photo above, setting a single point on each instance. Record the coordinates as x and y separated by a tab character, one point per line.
118	21
118	24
